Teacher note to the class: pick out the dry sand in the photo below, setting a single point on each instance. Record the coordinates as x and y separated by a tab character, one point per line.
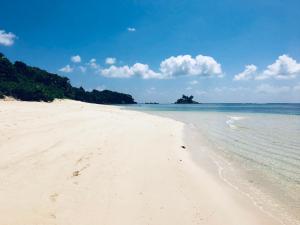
69	162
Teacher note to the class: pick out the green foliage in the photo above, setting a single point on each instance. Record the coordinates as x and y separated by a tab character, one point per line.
186	100
33	84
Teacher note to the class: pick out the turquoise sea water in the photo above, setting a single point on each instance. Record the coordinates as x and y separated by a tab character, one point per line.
255	148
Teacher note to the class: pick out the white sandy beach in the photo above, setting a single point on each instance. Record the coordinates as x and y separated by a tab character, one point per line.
73	163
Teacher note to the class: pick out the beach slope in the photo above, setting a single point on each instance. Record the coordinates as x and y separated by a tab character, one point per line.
73	163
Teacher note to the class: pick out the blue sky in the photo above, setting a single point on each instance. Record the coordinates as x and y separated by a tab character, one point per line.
218	51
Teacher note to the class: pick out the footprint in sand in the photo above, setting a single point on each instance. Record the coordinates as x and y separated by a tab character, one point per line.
85	157
76	173
53	197
81	160
53	216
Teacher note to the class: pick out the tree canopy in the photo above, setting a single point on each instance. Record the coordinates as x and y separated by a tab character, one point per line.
28	83
186	100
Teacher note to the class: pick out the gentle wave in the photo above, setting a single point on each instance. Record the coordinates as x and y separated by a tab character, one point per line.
261	141
232	120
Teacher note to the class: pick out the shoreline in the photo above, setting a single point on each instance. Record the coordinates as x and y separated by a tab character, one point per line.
262	193
80	163
233	176
232	173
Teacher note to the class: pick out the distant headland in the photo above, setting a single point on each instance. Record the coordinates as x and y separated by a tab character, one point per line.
27	83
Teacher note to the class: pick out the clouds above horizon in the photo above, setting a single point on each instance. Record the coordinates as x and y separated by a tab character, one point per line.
187	65
93	64
76	59
174	66
7	39
284	68
138	69
131	29
247	74
110	60
66	69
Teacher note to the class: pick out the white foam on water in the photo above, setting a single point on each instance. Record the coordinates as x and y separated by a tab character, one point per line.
232	120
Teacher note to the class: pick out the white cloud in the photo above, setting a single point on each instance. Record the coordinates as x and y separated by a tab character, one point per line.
193	82
284	67
188	88
93	64
66	69
110	60
144	71
269	89
117	72
131	29
169	68
76	59
187	65
137	69
7	39
247	74
82	69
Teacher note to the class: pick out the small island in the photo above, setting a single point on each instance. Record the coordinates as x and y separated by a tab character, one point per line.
186	100
151	103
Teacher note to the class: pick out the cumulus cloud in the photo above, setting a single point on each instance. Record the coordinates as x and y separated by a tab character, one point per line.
137	69
66	69
7	39
117	72
76	59
144	71
187	65
247	74
284	67
131	29
269	89
182	65
82	69
93	64
110	60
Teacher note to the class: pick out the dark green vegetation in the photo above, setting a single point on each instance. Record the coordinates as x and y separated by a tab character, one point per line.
151	103
186	100
28	83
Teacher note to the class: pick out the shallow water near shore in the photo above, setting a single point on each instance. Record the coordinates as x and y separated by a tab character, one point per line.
254	148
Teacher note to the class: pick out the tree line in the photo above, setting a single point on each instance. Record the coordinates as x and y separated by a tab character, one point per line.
28	83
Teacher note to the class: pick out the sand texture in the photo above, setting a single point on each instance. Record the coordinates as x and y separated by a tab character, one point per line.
72	163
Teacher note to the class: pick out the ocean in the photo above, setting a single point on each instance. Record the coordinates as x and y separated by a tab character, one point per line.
254	148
